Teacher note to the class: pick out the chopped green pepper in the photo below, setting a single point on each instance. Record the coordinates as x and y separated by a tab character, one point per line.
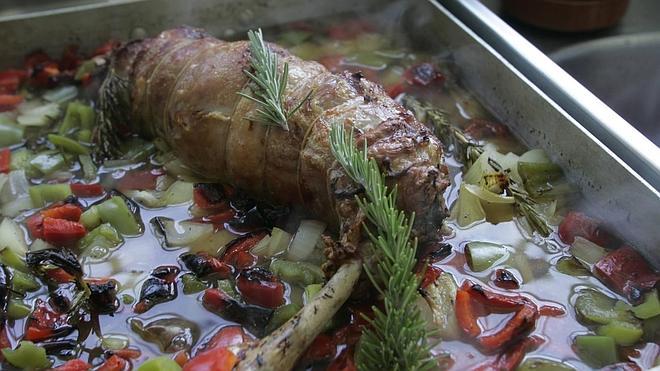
44	193
104	235
23	282
27	356
115	212
649	308
623	333
47	162
595	307
281	315
297	272
10	258
483	255
16	309
597	351
191	284
10	134
161	363
91	217
68	144
78	115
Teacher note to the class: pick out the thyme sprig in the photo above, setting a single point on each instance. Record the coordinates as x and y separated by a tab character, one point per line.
397	338
269	84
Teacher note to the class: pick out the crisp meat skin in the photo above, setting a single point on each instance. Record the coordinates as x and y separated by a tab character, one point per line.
182	86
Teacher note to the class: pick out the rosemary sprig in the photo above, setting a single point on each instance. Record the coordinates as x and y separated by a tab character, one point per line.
269	84
397	338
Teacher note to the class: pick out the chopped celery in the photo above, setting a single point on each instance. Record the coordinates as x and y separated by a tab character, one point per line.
115	212
48	162
261	248
44	193
191	284
311	291
88	167
483	255
569	265
20	159
543	364
595	307
300	273
281	315
538	177
78	116
587	252
27	356
623	333
467	210
10	134
11	259
597	351
24	282
91	217
68	144
304	241
162	363
440	296
12	237
182	233
16	309
649	308
97	243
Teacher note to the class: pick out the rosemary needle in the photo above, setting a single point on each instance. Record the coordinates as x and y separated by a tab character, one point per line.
397	337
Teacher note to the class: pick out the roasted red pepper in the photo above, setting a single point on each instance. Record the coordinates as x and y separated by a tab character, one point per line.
260	287
323	347
511	358
10	80
59	275
106	48
204	265
61	232
128	353
74	365
578	224
114	363
225	337
484	129
45	323
5	160
210	196
215	359
9	101
238	251
626	272
430	275
87	190
465	314
66	211
139	180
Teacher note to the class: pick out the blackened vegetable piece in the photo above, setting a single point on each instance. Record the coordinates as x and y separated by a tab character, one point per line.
39	261
62	296
155	291
203	265
66	348
170	333
103	295
45	323
505	279
259	286
5	282
238	253
209	195
252	317
166	272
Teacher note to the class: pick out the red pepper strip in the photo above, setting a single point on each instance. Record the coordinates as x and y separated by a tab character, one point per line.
344	362
44	75
139	180
44	323
625	271
430	275
578	224
260	289
60	232
484	129
511	358
4	341
202	200
465	314
551	311
59	275
5	160
70	58
87	190
68	212
493	299
522	321
225	337
36	58
181	357
238	252
106	48
114	363
219	220
9	101
10	80
74	365
323	347
35	225
215	300
216	359
128	353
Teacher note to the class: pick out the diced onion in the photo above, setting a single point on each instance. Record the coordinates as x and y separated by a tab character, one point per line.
587	252
183	233
62	94
37	114
16	186
179	192
12	237
40	244
215	244
277	242
305	239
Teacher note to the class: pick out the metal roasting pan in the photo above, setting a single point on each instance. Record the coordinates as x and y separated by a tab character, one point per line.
616	168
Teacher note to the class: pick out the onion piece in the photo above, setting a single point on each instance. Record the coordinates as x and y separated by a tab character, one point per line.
304	241
37	114
215	244
269	246
182	233
177	193
587	252
61	94
12	237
